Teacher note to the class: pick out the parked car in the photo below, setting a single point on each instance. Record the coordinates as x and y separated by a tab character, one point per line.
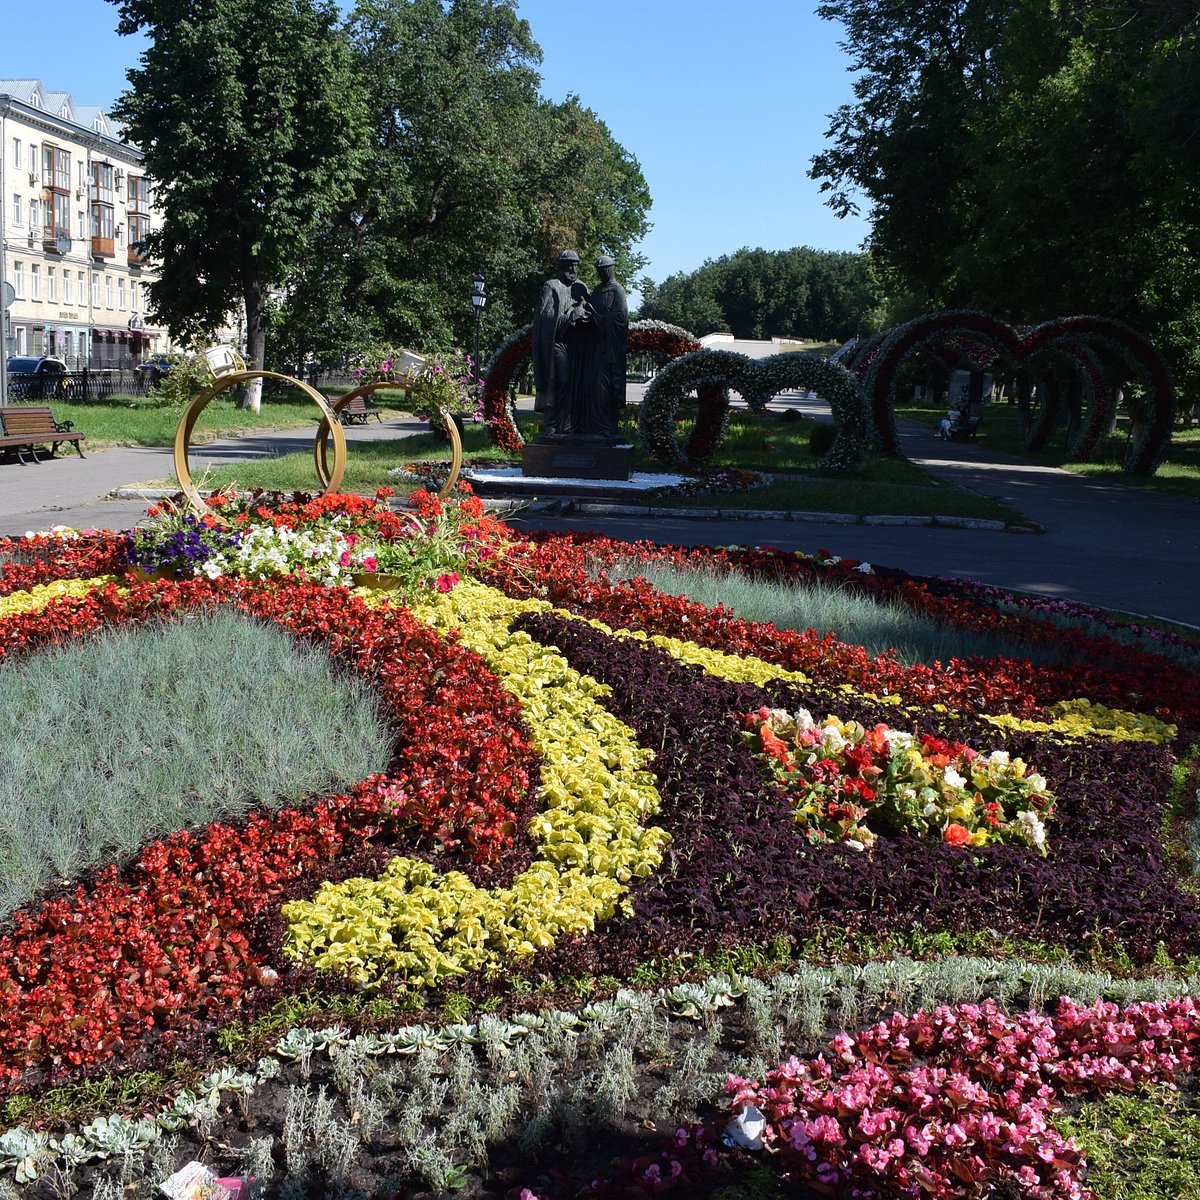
31	378
153	369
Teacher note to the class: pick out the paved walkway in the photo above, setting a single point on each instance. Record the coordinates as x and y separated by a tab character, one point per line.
1108	544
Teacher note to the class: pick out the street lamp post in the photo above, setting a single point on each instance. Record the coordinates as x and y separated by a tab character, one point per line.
478	301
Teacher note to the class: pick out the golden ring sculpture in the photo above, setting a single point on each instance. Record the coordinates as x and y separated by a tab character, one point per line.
330	427
342	402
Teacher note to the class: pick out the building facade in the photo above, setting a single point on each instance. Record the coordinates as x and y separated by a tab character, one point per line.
75	206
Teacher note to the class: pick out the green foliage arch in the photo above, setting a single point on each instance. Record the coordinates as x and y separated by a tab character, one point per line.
758	381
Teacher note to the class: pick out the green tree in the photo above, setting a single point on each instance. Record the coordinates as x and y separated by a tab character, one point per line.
906	145
818	294
469	172
252	126
1029	159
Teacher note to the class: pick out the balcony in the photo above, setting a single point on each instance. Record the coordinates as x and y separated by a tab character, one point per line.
103	247
136	259
55	242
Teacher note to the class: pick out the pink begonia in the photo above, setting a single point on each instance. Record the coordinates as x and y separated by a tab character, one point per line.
976	1108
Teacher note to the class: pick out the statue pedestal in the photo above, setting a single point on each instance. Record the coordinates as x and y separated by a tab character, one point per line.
567	458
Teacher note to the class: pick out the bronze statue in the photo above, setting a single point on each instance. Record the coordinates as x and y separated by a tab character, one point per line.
560	340
610	310
579	346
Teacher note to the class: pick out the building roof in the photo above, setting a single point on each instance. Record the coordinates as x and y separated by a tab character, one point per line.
28	91
61	105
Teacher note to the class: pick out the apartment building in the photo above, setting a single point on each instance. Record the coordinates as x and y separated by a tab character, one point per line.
75	206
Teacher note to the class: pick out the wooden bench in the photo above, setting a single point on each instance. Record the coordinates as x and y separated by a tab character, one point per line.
28	426
358	410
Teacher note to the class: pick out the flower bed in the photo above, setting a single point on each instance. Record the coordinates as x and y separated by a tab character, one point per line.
589	775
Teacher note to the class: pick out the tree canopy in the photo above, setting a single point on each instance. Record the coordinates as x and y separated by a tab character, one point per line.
819	294
1029	159
469	171
251	124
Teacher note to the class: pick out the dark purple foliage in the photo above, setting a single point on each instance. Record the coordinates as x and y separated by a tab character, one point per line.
739	868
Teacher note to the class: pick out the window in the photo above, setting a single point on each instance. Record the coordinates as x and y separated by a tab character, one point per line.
102	183
18	279
82	344
18	217
82	175
139	230
56	168
139	194
135	295
35	217
108	295
33	158
17	153
52	285
102	208
22	343
68	287
35	281
102	221
95	289
82	287
121	294
79	225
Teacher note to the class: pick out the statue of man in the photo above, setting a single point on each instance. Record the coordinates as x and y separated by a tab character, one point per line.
610	310
562	335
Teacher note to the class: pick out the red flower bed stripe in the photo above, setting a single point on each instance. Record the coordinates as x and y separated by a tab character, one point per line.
1107	672
94	974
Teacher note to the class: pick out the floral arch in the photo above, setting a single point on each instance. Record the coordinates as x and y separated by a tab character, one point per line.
1081	357
714	372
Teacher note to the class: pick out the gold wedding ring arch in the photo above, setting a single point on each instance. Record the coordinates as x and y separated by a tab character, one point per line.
230	371
344	402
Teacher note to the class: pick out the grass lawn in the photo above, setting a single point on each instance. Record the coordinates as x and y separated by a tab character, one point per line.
772	443
131	421
1179	474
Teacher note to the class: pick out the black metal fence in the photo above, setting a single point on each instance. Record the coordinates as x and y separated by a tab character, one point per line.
79	386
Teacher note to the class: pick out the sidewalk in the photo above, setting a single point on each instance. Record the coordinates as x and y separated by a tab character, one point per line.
1107	544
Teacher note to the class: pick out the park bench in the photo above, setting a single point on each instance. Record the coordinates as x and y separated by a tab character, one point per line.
29	426
967	427
358	410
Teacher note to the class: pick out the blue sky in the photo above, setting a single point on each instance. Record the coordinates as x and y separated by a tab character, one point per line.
722	103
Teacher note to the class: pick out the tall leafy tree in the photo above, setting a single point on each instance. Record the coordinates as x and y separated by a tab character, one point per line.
470	171
819	294
1028	158
252	126
906	145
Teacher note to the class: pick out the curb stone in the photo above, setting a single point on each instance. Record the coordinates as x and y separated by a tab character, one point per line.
970	523
826	518
894	520
567	505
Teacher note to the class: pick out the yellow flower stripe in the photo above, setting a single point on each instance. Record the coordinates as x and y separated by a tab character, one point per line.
730	667
1081	718
41	595
423	925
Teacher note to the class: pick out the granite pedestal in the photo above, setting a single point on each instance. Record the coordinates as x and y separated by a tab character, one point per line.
567	459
